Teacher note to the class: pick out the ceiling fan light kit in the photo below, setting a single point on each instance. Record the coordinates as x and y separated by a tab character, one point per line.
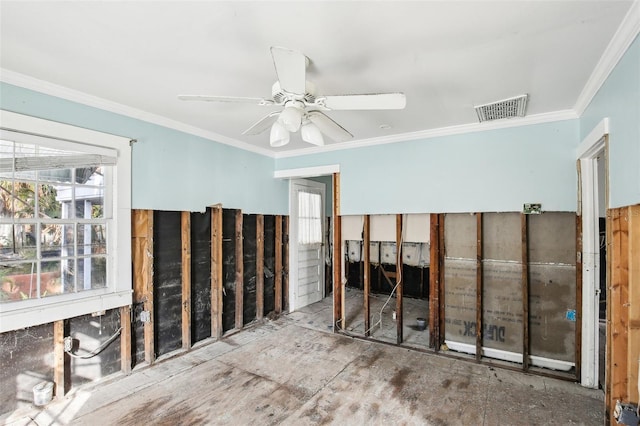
291	116
311	134
279	135
302	108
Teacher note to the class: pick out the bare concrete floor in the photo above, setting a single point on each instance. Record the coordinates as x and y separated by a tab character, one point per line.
383	326
293	371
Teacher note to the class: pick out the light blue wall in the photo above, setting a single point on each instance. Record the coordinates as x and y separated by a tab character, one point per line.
496	170
171	170
619	99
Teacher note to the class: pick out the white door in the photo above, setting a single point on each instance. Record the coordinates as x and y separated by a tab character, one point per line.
306	254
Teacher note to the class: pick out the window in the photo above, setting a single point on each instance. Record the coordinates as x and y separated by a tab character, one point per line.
64	222
309	218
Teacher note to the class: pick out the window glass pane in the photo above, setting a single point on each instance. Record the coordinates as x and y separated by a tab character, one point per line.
92	273
6	199
90	176
97	244
57	239
24	242
50	278
64	198
17	199
92	239
17	282
309	218
89	202
68	274
55	175
48	205
6	242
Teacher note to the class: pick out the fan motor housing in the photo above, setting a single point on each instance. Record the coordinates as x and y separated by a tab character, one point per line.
280	96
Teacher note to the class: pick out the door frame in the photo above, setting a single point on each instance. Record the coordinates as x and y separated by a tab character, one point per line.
293	237
588	151
306	172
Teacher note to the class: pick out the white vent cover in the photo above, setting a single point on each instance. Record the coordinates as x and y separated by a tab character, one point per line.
507	108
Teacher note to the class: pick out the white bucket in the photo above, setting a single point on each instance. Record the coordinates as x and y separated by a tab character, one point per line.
42	393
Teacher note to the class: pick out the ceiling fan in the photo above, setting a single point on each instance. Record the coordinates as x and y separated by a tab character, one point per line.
302	106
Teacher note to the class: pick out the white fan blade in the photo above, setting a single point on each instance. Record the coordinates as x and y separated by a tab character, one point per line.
329	127
263	124
258	101
291	69
359	102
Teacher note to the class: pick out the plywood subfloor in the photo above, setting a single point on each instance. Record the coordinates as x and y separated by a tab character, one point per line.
293	371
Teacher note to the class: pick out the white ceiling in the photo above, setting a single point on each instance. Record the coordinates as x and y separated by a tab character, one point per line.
446	57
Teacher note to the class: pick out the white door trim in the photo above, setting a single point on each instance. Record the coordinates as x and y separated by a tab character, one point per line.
307	172
588	151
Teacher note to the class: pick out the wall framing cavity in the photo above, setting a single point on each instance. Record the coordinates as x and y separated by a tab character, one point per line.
195	279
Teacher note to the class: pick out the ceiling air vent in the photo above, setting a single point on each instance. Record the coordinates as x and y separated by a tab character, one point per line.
507	108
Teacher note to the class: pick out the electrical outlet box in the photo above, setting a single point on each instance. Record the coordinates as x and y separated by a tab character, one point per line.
411	254
145	316
388	253
354	250
68	344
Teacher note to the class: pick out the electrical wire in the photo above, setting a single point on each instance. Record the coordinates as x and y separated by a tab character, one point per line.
398	276
99	349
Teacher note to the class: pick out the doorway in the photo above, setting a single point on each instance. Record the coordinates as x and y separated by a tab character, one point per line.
593	202
307	230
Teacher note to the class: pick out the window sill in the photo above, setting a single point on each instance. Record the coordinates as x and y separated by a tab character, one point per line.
14	316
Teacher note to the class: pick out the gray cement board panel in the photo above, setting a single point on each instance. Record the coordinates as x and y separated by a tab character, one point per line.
502	306
460	300
552	305
460	235
501	236
552	238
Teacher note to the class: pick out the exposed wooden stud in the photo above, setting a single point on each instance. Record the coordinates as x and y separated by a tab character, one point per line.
259	266
185	224
125	340
60	360
278	255
285	261
141	234
619	307
434	283
239	271
399	284
338	312
479	287
142	259
142	230
578	350
633	352
441	254
367	274
609	340
216	272
525	291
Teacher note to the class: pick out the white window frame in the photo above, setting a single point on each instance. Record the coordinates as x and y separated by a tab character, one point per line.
118	292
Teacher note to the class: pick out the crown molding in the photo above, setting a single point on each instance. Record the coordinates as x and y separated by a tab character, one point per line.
440	132
620	42
41	86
